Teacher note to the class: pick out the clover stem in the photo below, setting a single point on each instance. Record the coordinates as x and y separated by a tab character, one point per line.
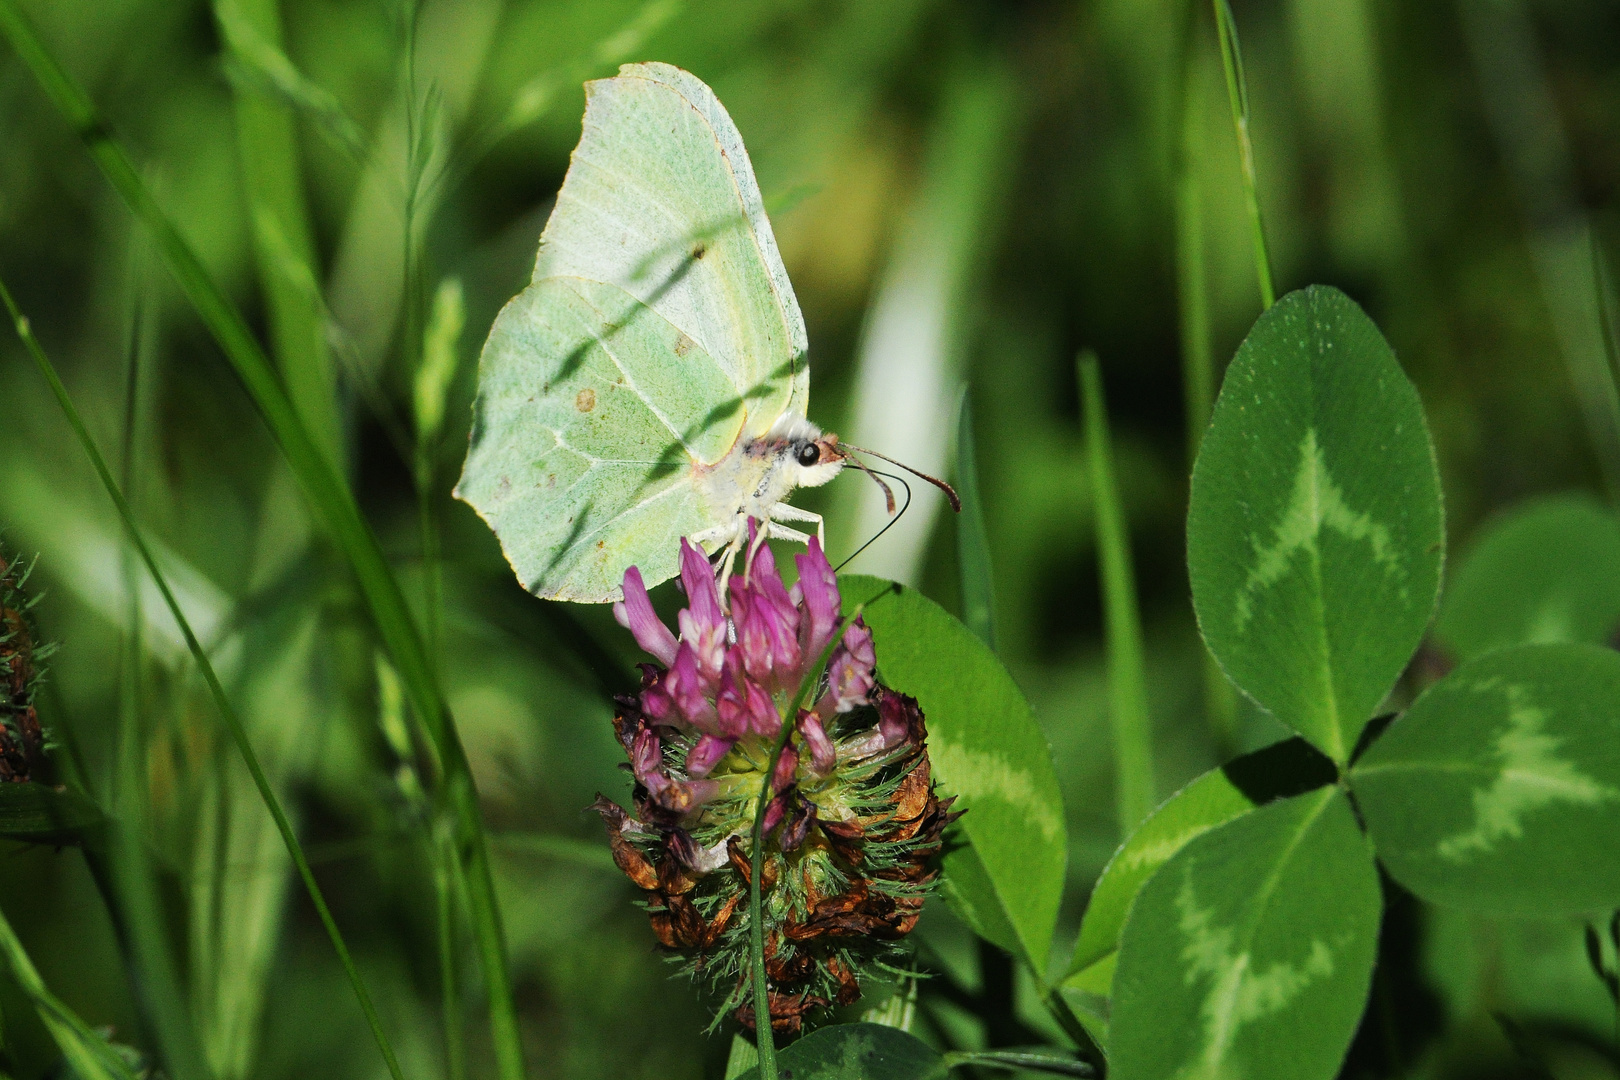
763	1036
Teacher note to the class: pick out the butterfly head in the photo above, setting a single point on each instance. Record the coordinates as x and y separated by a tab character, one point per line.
809	456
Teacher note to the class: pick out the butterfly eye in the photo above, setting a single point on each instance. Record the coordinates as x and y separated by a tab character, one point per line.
809	454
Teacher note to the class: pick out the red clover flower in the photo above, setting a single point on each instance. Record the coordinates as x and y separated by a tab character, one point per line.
21	740
853	825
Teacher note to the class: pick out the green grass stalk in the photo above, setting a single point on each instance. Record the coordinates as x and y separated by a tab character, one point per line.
326	490
1608	317
118	859
765	1040
972	540
1127	678
88	1054
996	972
445	880
1237	91
227	712
272	180
1197	334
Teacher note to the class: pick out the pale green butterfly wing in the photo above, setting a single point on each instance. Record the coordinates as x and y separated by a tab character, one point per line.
661	200
658	331
591	409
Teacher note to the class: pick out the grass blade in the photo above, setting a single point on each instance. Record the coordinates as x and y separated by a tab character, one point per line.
273	184
121	865
1133	734
333	501
86	1052
1608	317
1527	120
972	541
1237	90
1197	334
258	65
227	712
996	971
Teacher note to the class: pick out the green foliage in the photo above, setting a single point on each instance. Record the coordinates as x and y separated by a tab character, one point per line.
286	153
859	1052
1218	796
1548	570
1314	535
972	542
1499	790
988	750
1127	678
44	814
89	1055
1250	952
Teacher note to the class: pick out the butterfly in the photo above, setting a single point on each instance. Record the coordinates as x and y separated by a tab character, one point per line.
652	381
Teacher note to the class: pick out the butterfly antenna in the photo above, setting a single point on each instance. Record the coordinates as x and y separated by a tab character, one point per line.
950	492
892	521
888	493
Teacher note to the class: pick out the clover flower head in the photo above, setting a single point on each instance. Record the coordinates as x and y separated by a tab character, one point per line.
21	738
853	825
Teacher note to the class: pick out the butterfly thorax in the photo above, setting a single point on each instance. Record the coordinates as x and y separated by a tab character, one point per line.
759	473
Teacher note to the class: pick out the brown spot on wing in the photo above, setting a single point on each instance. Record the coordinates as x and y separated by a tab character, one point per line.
585	400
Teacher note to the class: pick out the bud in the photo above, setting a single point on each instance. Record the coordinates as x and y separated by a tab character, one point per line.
853	824
21	740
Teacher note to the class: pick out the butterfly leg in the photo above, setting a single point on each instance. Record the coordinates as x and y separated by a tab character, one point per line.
702	540
735	535
724	576
784	512
778	531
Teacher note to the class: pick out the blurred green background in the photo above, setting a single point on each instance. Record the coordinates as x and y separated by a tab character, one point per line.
964	192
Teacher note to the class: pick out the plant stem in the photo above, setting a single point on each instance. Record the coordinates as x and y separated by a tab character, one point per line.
1237	91
1133	732
227	712
333	500
445	878
763	1036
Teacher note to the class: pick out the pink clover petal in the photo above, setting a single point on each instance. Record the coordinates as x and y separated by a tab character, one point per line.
635	613
892	725
783	626
708	644
822	753
786	766
689	690
767	630
734	701
762	714
753	644
817	595
702	597
658	706
850	679
774	812
706	754
647	759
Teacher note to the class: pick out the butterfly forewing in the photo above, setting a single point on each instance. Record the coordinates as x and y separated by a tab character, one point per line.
661	200
658	332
